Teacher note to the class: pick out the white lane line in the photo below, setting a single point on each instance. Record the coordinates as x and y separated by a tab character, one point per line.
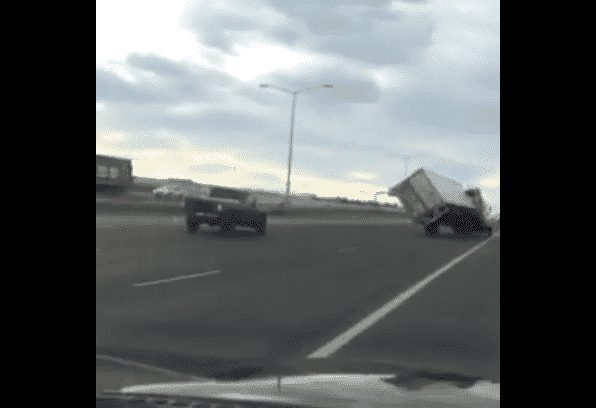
347	336
147	367
177	278
353	248
486	389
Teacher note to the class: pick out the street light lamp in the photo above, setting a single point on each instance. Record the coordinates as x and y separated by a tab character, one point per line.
406	159
294	94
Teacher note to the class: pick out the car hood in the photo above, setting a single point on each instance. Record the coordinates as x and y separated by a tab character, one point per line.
331	391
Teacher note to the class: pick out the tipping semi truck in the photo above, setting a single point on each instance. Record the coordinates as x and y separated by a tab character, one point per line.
434	200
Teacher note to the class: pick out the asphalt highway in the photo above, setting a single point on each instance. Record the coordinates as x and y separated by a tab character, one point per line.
364	292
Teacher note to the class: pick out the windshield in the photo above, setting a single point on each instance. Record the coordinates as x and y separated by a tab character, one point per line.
282	191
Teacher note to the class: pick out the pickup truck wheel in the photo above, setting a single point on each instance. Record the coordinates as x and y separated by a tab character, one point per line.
192	224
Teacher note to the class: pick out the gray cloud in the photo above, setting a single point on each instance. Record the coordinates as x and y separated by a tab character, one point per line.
234	126
240	125
174	82
385	43
210	168
217	129
449	112
158	65
347	133
219	27
336	18
370	31
446	105
109	87
328	4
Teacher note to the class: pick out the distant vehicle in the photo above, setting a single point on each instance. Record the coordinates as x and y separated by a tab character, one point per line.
226	208
180	189
434	200
112	173
169	191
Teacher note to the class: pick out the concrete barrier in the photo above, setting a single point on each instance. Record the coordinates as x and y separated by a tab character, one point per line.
289	212
106	205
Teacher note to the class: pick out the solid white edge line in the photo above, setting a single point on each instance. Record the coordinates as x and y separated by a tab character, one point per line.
344	338
147	367
176	278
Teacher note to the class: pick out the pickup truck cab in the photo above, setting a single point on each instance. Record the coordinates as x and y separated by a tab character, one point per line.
226	208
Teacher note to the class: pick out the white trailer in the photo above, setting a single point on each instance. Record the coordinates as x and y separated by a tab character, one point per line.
434	200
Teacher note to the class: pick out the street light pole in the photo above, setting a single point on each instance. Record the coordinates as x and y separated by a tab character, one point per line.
406	160
292	120
291	148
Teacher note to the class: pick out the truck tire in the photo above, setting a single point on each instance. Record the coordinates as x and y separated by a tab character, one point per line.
192	224
261	228
227	226
431	229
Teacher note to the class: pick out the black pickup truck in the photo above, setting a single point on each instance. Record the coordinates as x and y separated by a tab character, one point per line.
226	208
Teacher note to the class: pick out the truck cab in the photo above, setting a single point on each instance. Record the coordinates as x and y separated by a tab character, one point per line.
481	206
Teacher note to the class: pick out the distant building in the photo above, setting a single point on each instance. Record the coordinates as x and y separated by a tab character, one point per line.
112	173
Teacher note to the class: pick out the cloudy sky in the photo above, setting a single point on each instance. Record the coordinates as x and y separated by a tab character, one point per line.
177	90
